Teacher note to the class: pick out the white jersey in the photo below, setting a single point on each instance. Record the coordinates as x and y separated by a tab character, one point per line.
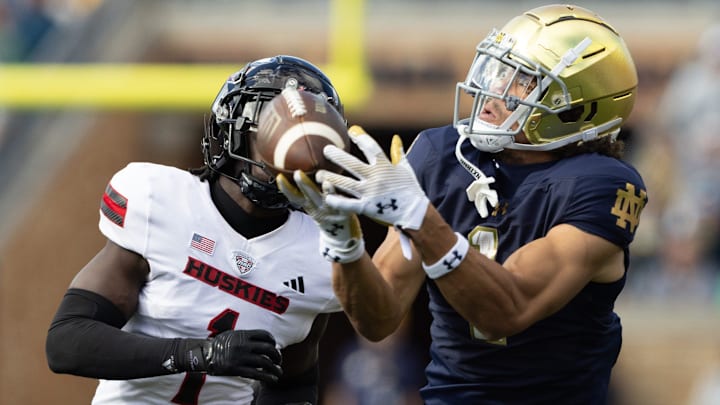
206	278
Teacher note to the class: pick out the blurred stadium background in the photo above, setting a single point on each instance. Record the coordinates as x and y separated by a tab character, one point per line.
87	86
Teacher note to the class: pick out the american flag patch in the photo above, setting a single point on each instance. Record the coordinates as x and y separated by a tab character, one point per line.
114	206
202	244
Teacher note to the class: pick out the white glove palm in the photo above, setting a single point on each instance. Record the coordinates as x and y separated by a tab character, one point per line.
384	191
341	238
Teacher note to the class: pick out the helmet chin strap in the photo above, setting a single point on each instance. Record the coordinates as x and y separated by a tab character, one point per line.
478	191
261	193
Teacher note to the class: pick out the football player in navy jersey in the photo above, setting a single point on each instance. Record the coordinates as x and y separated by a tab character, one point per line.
205	291
518	218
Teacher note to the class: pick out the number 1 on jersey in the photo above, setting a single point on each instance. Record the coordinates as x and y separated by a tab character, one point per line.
189	391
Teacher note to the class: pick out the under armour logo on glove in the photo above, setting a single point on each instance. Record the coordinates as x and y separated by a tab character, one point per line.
377	186
334	229
381	207
326	254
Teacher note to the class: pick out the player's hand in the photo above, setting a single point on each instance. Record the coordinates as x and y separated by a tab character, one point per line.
243	353
386	191
341	238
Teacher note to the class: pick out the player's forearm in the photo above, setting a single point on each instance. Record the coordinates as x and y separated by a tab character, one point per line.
483	293
434	238
479	289
367	299
85	339
79	344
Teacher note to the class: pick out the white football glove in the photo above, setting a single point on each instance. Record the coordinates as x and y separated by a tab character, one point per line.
383	190
341	238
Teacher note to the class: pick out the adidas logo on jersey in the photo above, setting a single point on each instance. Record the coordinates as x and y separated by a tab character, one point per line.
296	284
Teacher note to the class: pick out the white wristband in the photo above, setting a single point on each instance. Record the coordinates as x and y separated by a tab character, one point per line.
450	261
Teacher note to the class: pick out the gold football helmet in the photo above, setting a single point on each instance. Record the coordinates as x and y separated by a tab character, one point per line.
562	73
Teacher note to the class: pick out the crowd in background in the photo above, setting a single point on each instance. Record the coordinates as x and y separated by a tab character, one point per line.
677	251
24	24
676	255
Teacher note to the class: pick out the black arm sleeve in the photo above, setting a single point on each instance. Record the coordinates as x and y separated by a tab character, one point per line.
300	389
85	339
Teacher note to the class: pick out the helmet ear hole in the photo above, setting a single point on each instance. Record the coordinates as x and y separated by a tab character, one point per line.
572	115
575	114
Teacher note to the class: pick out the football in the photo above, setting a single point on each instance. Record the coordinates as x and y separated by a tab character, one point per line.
294	127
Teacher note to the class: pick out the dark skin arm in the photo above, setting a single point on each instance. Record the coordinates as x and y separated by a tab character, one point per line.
115	273
300	357
84	337
298	383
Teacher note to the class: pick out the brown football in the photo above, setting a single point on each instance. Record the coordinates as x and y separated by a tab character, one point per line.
293	129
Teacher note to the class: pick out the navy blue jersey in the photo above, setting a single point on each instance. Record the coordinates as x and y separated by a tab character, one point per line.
567	357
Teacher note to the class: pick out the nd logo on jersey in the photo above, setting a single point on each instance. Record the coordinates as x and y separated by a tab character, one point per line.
628	207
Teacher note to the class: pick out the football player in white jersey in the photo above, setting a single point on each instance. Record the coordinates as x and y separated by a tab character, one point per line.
210	288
